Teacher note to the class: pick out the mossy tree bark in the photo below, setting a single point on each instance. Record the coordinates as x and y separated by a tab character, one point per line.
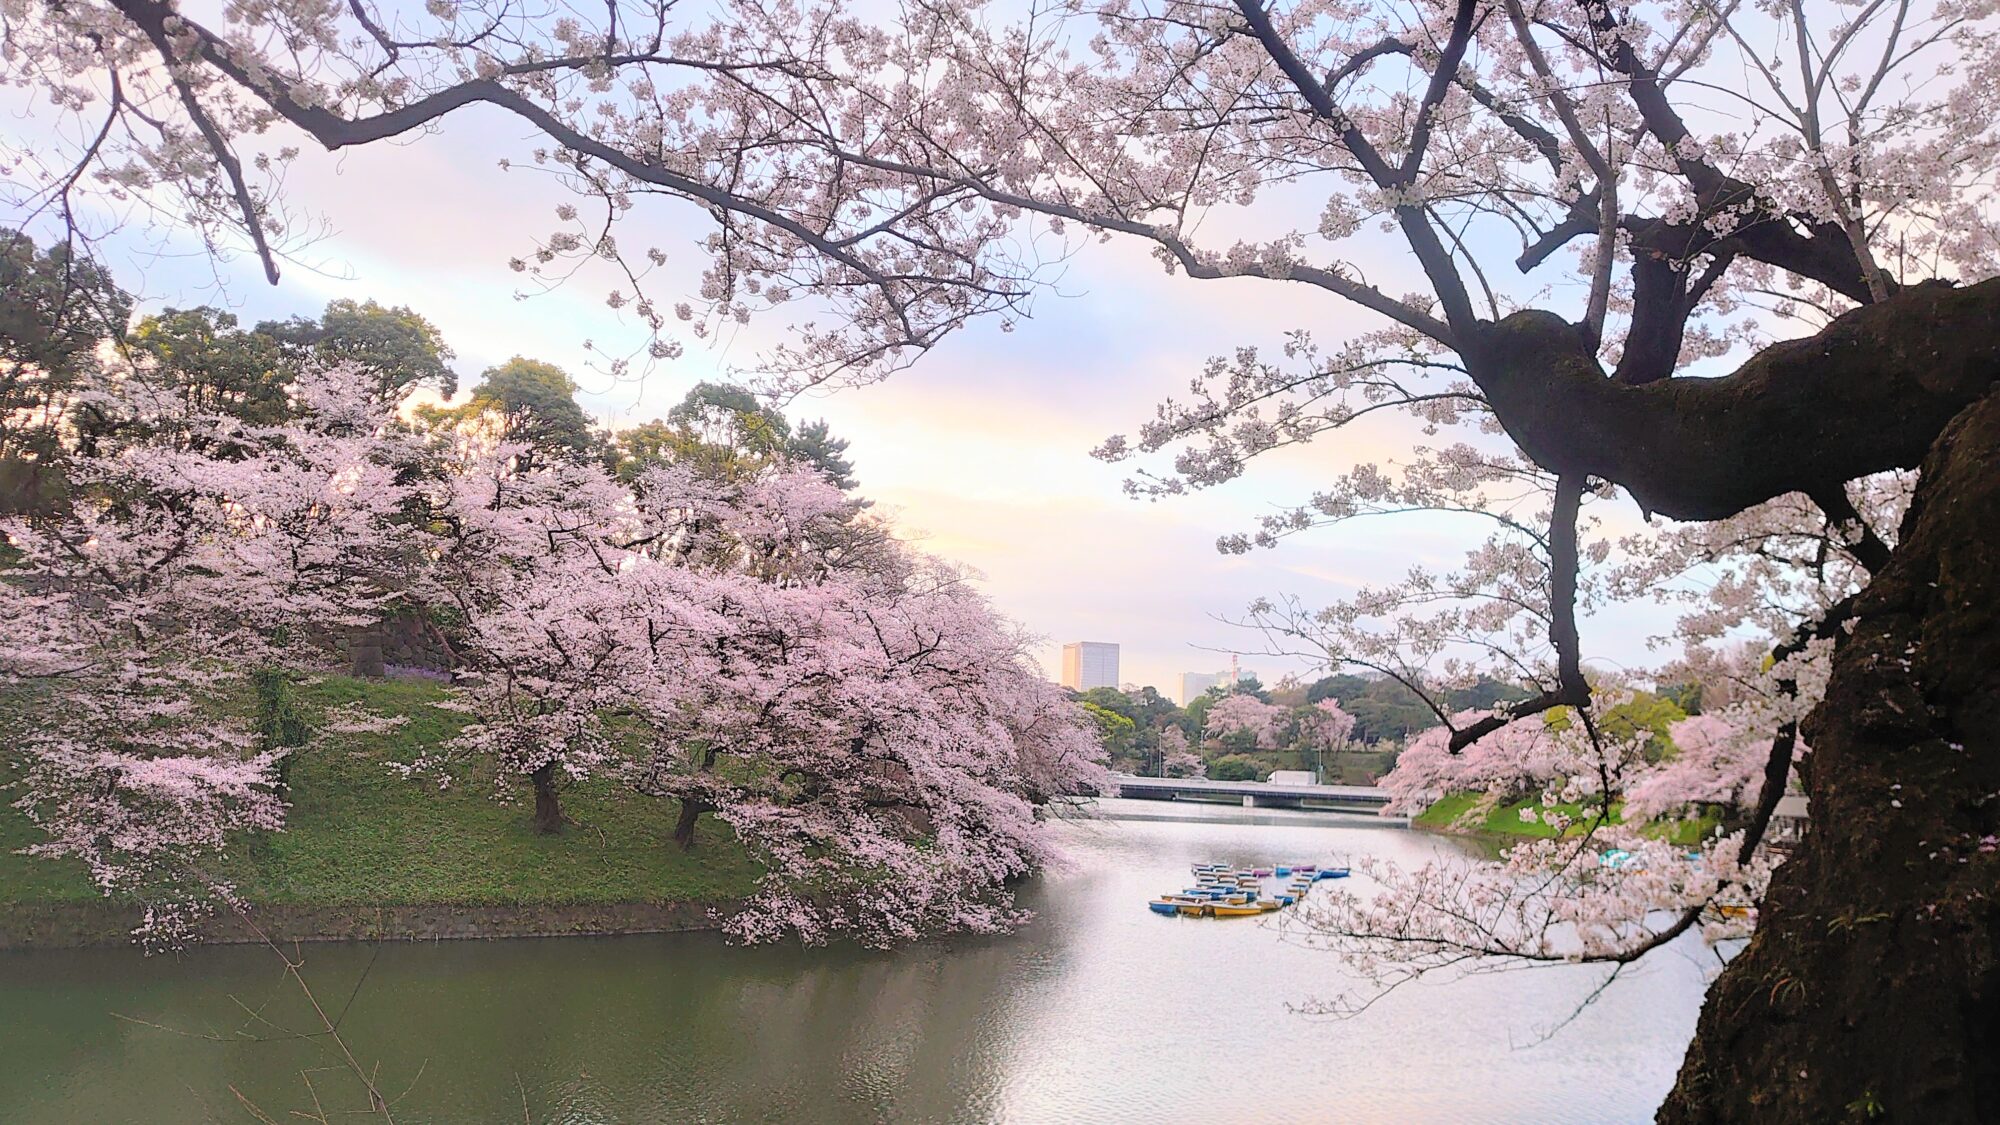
548	804
1872	987
691	810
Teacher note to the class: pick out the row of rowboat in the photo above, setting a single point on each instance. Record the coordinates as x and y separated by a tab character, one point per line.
1223	891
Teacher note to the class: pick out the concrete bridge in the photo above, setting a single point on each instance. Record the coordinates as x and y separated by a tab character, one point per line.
1254	794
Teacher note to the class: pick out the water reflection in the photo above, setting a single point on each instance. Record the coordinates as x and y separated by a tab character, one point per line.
1099	1011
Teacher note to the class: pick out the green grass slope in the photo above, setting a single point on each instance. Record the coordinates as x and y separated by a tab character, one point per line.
1468	812
360	834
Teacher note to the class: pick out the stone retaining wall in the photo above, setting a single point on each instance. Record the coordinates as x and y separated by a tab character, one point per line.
70	925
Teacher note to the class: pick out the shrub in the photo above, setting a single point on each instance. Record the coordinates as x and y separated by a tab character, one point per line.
1233	767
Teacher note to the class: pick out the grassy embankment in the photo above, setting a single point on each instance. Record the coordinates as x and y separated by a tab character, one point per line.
1469	812
360	835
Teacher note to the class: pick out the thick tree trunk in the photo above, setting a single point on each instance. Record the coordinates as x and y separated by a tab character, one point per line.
548	806
1872	987
691	811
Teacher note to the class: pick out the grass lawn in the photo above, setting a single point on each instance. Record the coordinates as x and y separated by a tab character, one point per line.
1461	812
359	834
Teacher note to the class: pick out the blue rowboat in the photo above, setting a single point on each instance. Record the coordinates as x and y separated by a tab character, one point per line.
1163	906
1330	873
1283	872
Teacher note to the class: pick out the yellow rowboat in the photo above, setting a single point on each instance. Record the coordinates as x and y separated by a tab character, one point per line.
1235	910
1269	904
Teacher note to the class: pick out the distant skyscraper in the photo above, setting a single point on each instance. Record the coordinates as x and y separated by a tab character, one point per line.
1089	664
1194	683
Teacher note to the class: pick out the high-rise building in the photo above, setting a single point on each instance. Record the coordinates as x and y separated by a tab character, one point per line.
1089	664
1194	683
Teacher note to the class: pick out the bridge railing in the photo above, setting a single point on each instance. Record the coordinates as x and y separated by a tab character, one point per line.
1352	794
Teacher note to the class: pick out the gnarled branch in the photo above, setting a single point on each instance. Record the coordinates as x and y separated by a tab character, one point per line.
1867	394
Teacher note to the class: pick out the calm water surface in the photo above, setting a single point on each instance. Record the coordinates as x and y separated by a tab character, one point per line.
1097	1012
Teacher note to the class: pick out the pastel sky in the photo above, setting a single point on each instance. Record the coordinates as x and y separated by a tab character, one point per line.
981	450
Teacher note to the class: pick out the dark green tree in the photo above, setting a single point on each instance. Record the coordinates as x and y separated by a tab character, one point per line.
1115	732
537	405
201	354
816	445
1196	711
55	308
1111	699
727	433
1686	696
1485	693
397	346
1233	767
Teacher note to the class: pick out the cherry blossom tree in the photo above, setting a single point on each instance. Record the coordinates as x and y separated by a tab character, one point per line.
1241	712
1325	727
1716	762
846	722
1732	264
1513	762
1176	760
864	721
521	556
759	650
191	549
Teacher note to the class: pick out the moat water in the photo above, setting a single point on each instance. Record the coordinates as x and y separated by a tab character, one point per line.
1097	1011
